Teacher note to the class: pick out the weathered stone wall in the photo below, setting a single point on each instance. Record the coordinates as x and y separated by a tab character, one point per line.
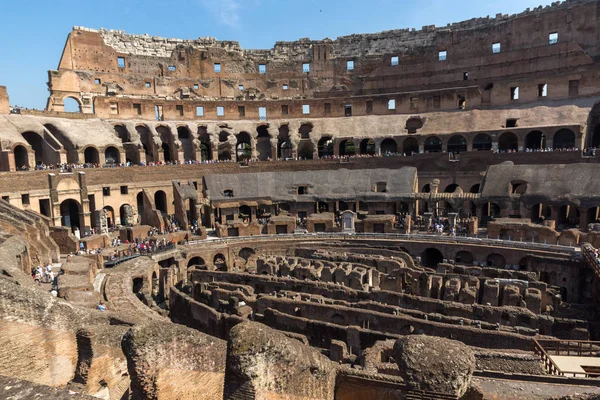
4	102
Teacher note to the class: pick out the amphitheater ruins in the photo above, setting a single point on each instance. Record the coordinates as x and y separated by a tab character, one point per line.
411	214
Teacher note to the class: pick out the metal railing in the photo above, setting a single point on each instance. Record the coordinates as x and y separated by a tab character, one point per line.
569	250
546	348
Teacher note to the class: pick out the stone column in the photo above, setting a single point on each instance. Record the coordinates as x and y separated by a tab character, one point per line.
452	217
274	143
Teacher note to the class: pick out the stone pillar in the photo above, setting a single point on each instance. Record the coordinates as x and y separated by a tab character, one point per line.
583	219
452	217
336	147
63	156
274	143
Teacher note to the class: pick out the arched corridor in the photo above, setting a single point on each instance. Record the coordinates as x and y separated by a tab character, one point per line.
508	141
70	211
112	155
389	146
187	143
457	144
432	144
564	139
160	201
21	158
482	142
347	148
91	155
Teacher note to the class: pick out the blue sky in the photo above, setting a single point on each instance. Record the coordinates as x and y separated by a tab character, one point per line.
33	32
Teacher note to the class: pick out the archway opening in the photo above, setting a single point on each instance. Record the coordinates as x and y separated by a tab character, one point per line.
91	156
464	257
453	188
21	158
72	105
564	139
322	207
535	140
205	146
284	144
305	149
112	155
124	215
187	143
220	262
122	133
70	214
568	217
196	262
367	146
37	144
263	143
410	146
457	144
167	143
325	147
431	257
508	141
243	149
596	137
432	144
475	188
147	142
110	216
389	146
245	213
246	253
347	148
482	142
495	260
160	201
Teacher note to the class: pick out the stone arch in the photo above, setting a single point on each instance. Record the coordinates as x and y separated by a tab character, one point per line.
347	148
464	257
453	188
456	144
413	124
243	147
389	146
160	201
482	142
495	260
112	155
21	157
246	253
37	143
367	146
431	257
306	149
91	155
432	144
196	261
184	135
564	139
508	141
475	188
535	140
284	144
123	214
325	146
72	104
220	262
263	143
147	142
205	145
70	214
410	146
305	130
167	146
